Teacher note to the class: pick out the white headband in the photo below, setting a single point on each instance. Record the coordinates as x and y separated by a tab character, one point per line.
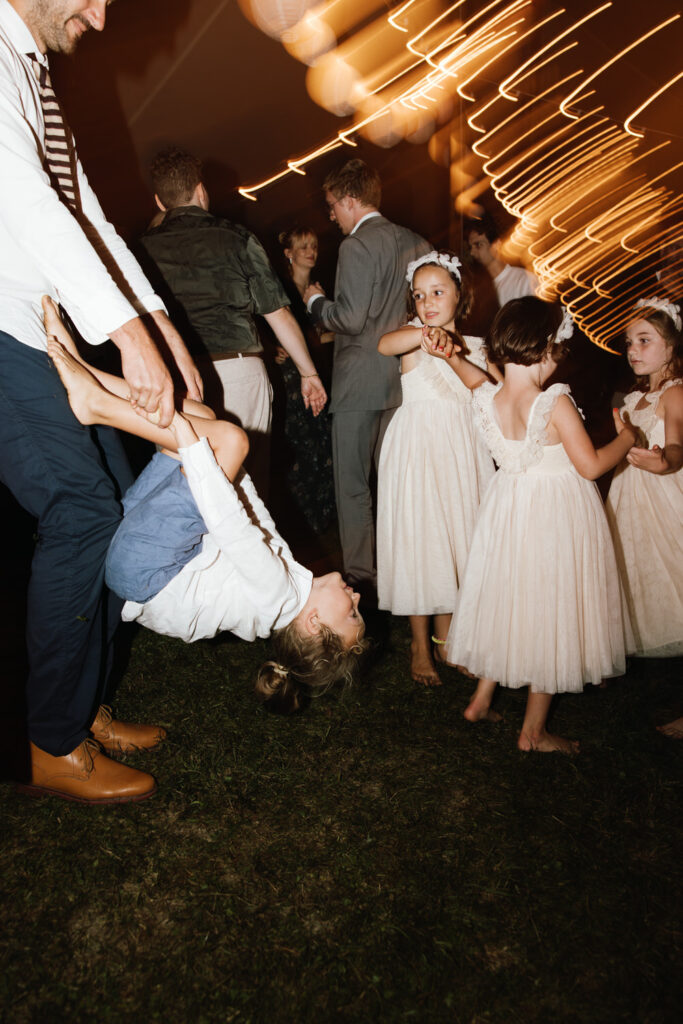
566	328
670	308
450	263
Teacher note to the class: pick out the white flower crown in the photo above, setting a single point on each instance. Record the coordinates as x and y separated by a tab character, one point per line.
566	328
450	263
670	308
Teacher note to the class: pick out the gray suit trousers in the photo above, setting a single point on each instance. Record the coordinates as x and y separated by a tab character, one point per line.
356	442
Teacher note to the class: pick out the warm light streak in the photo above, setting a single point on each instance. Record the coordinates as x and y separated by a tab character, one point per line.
608	64
410	45
392	17
517	112
587	218
647	103
497	56
508	82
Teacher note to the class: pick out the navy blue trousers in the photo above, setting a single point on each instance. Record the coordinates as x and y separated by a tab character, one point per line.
71	478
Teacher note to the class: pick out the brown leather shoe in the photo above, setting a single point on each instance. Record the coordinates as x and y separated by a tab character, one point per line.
87	776
124	737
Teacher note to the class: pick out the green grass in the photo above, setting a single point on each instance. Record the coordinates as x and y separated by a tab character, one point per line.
375	859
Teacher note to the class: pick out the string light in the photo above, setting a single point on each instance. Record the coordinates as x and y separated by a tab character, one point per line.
586	221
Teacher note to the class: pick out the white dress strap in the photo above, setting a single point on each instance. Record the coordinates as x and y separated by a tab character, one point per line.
647	416
516	456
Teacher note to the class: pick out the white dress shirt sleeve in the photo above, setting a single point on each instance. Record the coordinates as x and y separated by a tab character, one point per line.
37	221
256	552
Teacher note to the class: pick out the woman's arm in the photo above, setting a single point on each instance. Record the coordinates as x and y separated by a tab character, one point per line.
670	459
589	462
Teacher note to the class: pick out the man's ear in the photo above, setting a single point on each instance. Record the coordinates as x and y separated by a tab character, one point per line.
201	196
159	203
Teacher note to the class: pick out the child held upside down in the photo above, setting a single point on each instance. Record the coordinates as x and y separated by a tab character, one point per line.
197	553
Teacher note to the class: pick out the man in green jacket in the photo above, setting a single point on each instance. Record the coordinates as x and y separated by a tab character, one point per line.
217	278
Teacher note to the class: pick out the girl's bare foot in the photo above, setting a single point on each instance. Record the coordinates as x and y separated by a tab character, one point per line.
55	327
479	707
81	387
546	743
674	730
465	672
422	669
478	711
437	650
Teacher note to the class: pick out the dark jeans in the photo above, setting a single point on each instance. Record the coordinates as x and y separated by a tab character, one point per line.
71	479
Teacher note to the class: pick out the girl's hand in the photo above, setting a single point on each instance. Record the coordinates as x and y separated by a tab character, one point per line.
622	426
619	424
650	459
438	342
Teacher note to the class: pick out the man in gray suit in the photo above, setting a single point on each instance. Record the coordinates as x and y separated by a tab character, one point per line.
369	299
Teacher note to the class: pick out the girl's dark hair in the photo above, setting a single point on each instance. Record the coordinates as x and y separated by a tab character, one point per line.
464	286
664	325
522	332
286	238
303	663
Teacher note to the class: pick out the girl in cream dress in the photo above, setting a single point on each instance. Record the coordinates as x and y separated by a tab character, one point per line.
645	502
540	603
433	468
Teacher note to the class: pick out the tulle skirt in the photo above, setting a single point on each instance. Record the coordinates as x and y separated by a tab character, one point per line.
433	471
645	512
540	602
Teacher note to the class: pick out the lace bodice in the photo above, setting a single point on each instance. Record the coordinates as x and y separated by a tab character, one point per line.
647	419
433	379
532	453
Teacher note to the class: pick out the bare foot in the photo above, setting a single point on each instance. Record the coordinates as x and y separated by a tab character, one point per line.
422	668
465	672
437	651
546	743
55	327
674	730
476	711
81	387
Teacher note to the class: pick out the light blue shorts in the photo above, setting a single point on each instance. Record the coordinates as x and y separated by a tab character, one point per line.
161	531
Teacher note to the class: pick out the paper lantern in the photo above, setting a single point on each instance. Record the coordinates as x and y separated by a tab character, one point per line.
332	82
309	39
387	128
276	16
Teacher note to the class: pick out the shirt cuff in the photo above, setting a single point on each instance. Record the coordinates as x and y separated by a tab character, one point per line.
199	458
313	298
149	304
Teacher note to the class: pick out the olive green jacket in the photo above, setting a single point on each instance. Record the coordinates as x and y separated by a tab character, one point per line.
215	278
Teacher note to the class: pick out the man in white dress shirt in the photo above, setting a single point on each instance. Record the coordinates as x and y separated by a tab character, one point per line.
484	245
69	477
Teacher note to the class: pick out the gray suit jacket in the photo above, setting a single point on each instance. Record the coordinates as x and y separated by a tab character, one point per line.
370	293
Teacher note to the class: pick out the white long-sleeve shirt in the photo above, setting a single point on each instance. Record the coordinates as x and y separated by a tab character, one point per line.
44	248
514	282
244	580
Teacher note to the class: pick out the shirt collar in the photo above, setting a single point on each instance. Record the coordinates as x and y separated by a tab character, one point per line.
375	213
185	211
18	31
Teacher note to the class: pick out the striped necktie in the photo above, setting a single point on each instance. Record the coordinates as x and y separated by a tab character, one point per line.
60	155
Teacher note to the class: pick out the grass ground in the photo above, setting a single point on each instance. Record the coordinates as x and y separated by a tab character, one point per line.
374	859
